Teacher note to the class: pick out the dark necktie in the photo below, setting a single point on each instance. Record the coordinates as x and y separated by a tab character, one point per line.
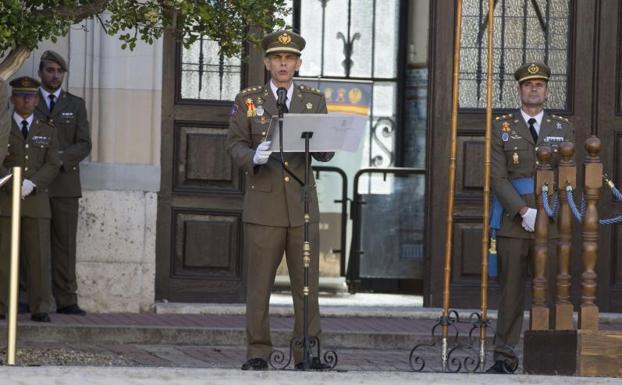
285	109
52	102
532	129
25	128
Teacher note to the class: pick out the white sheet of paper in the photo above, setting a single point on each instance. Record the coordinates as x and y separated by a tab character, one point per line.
331	132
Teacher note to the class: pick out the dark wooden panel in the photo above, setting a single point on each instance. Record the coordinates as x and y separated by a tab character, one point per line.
550	352
202	163
467	251
204	241
207	245
472	164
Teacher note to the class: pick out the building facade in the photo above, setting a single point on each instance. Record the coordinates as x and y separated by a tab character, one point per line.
160	218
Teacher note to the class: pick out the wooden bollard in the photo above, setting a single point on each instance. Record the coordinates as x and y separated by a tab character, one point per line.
567	176
593	171
539	317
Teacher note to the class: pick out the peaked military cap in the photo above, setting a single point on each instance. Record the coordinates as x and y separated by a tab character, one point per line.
283	41
532	70
25	86
54	57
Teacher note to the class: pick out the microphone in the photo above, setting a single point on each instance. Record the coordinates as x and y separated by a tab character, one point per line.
281	95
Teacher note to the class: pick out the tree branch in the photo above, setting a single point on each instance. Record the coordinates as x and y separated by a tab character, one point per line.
13	61
77	13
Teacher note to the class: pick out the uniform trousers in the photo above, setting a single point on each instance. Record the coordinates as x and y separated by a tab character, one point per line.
63	243
264	248
35	252
515	258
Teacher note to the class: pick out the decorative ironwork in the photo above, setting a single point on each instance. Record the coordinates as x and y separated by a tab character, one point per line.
383	127
528	31
364	57
461	352
348	43
206	74
328	359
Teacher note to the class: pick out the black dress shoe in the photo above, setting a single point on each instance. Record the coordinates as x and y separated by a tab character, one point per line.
255	364
501	367
316	364
40	317
71	309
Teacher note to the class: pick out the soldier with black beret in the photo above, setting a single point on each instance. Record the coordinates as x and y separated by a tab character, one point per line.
273	212
515	140
67	113
34	147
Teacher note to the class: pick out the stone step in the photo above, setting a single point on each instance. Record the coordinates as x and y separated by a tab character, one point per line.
223	330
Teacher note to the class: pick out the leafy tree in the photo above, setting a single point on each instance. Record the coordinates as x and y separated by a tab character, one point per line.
25	23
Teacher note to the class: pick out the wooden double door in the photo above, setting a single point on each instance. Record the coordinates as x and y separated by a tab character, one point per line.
199	244
591	99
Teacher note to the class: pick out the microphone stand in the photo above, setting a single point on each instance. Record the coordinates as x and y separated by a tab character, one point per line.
277	357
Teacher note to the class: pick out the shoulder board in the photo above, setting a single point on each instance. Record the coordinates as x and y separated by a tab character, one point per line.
251	90
504	117
71	96
312	90
563	119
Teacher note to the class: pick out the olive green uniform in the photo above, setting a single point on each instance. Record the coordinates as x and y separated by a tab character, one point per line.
273	213
74	144
38	155
513	156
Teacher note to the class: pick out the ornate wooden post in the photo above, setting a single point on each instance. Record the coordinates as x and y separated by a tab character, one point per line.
567	176
593	170
539	319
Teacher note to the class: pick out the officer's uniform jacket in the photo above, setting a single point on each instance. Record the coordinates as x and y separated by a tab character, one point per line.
5	119
513	155
38	157
74	140
272	197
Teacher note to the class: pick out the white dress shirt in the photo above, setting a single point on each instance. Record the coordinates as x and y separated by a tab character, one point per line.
538	119
290	93
46	96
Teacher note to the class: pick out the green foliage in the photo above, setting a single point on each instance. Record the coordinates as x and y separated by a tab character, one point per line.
24	23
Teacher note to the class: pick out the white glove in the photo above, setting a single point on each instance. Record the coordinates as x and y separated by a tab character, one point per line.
263	153
27	188
529	220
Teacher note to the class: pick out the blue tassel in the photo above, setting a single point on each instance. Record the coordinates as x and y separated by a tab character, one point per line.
492	258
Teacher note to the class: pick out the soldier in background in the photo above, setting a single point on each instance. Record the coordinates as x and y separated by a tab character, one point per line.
34	147
516	138
273	212
67	113
5	119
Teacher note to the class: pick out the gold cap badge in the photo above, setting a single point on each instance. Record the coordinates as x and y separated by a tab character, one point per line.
284	38
532	71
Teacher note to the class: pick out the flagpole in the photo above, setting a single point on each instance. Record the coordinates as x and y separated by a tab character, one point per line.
485	232
452	182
